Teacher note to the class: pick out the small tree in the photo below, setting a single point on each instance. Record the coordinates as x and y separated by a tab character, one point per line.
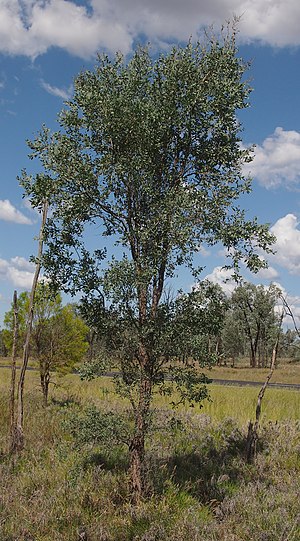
148	151
58	337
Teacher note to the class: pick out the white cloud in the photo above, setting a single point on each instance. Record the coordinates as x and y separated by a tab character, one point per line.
22	264
222	277
268	274
277	160
31	27
64	93
17	271
203	251
287	245
10	214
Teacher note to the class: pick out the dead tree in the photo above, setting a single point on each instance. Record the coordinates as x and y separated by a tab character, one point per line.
18	431
252	436
13	373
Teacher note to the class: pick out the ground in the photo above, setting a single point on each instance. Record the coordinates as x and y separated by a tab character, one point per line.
199	486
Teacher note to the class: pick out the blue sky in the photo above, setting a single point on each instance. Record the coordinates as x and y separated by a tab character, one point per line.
45	43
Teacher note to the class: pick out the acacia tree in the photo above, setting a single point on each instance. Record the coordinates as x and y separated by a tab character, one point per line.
149	152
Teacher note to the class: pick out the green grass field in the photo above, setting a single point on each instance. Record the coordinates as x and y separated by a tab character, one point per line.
238	403
286	372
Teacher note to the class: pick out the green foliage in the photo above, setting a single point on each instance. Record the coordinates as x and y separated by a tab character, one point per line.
290	345
94	368
198	319
190	385
95	427
233	336
58	333
58	337
3	343
152	149
254	309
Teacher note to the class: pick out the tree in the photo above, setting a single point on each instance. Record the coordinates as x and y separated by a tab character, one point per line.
254	308
289	344
198	321
149	152
3	348
58	337
232	337
18	432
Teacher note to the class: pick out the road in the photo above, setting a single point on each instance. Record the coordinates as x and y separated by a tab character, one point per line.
230	382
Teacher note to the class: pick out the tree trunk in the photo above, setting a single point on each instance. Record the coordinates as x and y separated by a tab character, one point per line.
45	380
13	374
252	357
137	445
252	436
19	424
136	470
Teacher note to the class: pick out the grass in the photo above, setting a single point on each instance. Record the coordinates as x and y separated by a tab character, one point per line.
226	401
199	486
6	361
284	373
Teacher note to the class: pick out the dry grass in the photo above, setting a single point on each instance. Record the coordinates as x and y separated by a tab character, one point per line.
285	373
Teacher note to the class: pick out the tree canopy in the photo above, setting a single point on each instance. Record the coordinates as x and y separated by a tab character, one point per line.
254	309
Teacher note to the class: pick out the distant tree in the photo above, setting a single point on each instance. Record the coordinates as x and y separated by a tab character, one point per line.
232	337
58	338
289	345
254	309
3	348
23	303
201	315
150	153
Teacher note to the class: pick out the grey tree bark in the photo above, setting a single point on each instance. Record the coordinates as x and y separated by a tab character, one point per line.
18	443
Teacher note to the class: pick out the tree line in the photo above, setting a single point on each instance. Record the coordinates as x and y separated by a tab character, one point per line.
204	326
